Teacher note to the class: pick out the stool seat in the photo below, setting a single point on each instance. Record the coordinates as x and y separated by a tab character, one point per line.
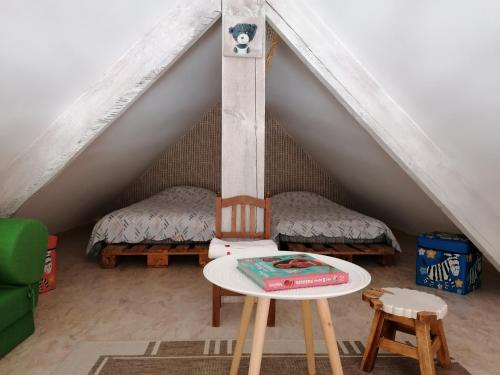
409	302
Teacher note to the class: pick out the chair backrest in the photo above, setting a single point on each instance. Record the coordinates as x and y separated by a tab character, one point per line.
245	229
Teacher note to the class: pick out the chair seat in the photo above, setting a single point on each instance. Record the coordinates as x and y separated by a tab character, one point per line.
408	303
219	247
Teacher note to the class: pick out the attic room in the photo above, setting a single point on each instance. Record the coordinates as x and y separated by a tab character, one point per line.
249	186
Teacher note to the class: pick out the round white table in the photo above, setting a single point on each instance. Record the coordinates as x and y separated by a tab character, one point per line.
223	272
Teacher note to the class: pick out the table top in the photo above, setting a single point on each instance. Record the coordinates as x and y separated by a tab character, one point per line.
223	272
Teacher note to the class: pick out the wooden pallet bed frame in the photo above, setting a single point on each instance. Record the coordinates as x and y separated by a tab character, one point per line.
157	255
385	253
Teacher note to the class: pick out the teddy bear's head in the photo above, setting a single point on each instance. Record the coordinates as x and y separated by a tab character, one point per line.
243	33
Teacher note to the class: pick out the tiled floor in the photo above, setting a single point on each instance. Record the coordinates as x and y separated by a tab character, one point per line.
132	302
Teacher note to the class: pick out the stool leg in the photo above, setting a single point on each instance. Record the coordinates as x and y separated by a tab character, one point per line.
329	333
216	305
443	353
258	335
372	342
246	314
308	336
424	348
389	330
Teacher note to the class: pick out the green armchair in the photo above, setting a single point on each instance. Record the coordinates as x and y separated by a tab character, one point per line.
23	244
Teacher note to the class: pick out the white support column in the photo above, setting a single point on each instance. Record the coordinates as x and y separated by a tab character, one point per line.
243	105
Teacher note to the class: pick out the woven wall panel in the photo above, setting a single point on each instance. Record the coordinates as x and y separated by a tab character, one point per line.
195	160
289	168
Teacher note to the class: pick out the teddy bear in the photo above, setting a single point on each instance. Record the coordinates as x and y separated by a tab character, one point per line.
243	34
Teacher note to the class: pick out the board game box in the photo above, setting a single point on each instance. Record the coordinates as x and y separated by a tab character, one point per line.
290	272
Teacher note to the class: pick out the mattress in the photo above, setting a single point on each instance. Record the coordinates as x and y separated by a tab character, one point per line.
307	217
177	214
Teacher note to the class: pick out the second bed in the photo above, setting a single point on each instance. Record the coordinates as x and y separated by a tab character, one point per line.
304	221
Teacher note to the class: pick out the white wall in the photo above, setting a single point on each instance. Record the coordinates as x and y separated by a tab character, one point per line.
85	188
324	128
52	50
440	61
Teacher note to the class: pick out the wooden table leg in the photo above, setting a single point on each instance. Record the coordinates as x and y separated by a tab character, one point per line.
329	333
246	314
308	336
258	335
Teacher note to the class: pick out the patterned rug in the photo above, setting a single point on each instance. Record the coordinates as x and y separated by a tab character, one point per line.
211	357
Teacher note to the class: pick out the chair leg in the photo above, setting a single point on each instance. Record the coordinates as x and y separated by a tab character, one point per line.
424	348
443	354
202	260
372	343
216	305
246	315
271	318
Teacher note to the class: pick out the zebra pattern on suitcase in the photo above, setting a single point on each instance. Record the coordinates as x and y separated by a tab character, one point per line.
444	271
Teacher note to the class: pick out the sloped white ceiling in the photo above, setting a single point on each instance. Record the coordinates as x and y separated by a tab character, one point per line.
52	51
311	114
438	66
439	60
330	134
134	141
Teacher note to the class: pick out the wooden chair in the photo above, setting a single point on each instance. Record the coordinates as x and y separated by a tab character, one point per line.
412	312
246	230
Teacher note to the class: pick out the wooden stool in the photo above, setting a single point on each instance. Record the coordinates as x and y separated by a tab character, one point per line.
409	311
